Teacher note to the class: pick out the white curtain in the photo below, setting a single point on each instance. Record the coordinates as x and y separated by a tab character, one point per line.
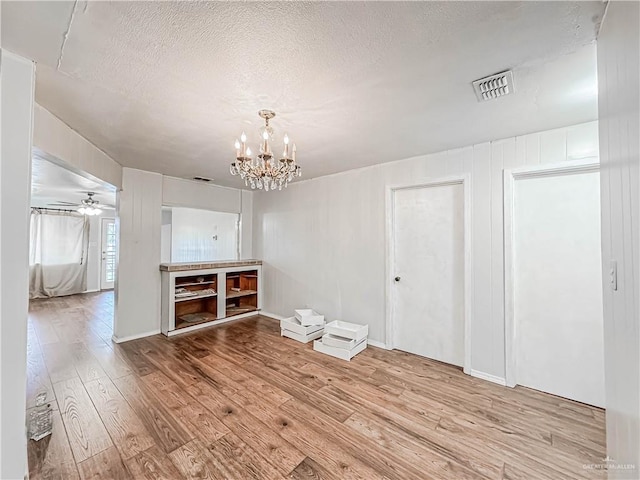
58	254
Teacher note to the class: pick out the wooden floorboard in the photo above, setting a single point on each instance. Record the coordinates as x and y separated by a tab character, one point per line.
239	401
86	432
104	465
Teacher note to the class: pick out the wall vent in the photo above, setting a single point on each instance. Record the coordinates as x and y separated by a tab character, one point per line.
202	179
494	86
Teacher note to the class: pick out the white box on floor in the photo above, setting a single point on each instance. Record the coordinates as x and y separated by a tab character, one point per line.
344	329
301	338
338	342
308	317
293	325
341	353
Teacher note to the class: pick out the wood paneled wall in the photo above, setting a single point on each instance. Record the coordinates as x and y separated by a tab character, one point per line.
322	240
138	279
618	105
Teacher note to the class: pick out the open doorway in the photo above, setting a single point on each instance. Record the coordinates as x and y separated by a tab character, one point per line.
73	239
72	268
72	262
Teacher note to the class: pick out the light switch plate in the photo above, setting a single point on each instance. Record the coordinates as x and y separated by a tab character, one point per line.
613	275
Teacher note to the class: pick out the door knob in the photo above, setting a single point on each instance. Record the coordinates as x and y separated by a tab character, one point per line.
397	279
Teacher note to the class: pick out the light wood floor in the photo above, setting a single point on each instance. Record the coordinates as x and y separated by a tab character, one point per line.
239	401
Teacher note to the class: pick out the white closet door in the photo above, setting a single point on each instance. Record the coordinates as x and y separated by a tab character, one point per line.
428	299
558	286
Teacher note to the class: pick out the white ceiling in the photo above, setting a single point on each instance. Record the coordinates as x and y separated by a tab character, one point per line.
52	184
168	86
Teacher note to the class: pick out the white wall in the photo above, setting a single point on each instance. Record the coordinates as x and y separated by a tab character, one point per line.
178	192
192	232
246	225
138	280
53	140
165	236
322	240
618	105
17	84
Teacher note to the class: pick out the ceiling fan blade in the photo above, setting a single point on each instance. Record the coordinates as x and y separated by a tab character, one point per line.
64	204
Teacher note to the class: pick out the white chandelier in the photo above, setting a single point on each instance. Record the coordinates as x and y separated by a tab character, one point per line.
90	206
265	172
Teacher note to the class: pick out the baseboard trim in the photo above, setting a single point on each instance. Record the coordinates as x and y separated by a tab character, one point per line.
488	377
376	343
134	337
272	316
213	324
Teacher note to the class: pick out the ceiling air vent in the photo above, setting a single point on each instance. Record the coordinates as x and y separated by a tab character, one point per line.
494	86
202	179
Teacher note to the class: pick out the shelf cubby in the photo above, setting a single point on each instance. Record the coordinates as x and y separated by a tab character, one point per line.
242	293
199	307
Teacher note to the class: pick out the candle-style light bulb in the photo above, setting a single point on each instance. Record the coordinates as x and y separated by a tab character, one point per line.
248	152
286	146
237	144
243	137
286	139
265	135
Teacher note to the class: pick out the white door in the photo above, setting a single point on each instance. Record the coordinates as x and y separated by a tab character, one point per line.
428	256
108	249
558	318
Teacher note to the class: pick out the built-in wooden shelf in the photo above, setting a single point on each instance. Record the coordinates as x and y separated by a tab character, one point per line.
231	311
237	293
206	318
241	293
179	285
195	297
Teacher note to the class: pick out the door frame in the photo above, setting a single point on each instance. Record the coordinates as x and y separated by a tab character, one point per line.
102	230
465	181
510	176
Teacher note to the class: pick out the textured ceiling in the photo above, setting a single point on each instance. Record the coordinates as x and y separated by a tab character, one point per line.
168	86
51	184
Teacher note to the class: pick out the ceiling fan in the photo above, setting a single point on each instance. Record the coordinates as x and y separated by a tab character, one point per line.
88	206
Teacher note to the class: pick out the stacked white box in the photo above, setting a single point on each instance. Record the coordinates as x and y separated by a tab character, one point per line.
309	317
342	339
305	326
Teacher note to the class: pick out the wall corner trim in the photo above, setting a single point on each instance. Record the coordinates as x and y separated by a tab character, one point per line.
134	337
376	343
270	315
